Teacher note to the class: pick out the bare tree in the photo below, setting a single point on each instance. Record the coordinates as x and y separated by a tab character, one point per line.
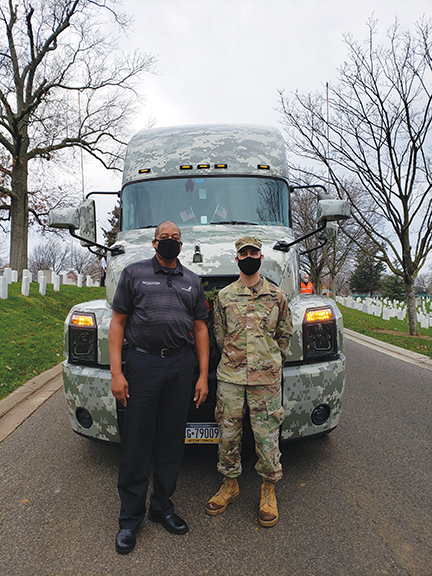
303	209
372	128
53	255
63	85
334	257
351	237
424	283
421	284
82	261
59	256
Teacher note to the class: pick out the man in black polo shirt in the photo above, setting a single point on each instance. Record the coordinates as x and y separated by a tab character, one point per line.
159	307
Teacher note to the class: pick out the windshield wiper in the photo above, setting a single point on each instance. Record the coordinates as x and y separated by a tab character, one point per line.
143	227
235	222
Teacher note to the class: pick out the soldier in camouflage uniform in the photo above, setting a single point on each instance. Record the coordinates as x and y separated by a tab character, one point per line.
252	324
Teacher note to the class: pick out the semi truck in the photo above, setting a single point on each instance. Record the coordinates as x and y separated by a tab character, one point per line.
218	183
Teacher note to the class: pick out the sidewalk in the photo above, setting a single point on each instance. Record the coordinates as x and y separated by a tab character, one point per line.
21	403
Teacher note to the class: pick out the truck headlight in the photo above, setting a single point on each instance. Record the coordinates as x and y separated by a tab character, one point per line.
83	338
319	334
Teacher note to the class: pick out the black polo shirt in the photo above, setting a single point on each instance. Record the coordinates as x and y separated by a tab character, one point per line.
161	304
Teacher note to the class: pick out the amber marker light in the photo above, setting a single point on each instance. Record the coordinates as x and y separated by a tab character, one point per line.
319	315
203	166
82	320
144	171
221	166
186	167
263	167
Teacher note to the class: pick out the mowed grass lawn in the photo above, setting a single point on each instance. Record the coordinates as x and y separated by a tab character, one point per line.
393	331
31	333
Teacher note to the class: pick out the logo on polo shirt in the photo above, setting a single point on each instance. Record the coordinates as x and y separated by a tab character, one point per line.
187	289
154	283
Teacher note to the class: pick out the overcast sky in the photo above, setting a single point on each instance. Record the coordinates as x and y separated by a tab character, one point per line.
225	60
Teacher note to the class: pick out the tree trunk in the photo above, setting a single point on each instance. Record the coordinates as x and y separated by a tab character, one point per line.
19	217
314	278
411	307
333	286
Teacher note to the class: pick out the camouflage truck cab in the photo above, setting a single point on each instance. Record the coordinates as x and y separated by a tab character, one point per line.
217	183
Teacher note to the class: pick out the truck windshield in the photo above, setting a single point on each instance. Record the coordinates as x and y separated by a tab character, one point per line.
201	201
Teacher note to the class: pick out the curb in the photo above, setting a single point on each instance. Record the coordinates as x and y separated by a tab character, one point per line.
21	403
29	388
390	349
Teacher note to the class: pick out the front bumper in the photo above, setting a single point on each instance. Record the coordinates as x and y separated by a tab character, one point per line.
89	389
305	388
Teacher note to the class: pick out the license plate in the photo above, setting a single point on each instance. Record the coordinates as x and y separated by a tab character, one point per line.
202	433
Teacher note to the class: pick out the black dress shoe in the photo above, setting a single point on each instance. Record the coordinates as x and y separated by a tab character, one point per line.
170	522
125	541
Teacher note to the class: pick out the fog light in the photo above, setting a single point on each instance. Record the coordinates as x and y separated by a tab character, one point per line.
321	414
84	417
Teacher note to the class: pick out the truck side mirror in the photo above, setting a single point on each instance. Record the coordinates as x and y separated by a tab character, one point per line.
87	219
332	210
83	218
329	232
329	211
64	218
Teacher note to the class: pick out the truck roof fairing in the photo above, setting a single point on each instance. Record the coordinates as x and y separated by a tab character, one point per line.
209	150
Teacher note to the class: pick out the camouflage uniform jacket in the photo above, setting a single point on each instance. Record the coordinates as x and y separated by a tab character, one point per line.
252	332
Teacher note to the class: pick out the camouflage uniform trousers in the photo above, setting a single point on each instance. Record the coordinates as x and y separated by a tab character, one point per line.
266	415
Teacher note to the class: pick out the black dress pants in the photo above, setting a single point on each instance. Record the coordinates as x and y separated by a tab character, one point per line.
154	430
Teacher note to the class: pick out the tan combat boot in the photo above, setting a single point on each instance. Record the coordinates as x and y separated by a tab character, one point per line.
228	493
268	513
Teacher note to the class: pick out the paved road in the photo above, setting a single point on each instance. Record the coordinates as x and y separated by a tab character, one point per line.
357	502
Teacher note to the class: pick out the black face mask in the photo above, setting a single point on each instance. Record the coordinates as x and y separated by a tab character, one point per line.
168	248
249	265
